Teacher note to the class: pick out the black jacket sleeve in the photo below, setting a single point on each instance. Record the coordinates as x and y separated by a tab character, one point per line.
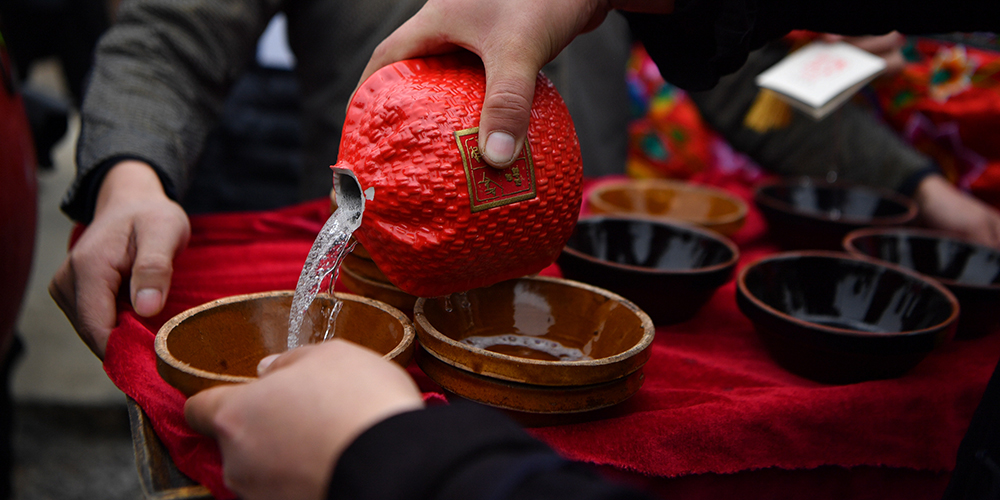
459	452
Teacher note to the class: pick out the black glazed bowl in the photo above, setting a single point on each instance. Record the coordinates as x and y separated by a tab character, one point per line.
970	271
668	269
835	318
805	213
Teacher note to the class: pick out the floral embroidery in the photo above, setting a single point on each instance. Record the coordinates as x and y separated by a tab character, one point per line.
951	73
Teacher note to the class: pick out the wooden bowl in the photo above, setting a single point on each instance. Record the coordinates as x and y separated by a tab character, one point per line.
835	318
222	342
970	271
804	213
528	398
705	206
538	331
668	269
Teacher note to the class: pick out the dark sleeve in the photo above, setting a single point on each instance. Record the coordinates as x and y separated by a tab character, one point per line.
852	141
157	85
461	451
703	40
977	468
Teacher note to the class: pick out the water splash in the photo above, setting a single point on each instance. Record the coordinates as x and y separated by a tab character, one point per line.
331	246
331	318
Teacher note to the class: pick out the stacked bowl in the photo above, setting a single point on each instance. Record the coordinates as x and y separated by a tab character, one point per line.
535	345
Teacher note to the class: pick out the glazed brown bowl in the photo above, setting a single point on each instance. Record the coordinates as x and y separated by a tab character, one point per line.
537	330
670	270
221	342
970	271
835	318
805	213
523	398
705	206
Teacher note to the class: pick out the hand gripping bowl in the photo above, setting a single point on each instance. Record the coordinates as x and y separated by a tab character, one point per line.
970	271
221	342
839	319
535	345
437	219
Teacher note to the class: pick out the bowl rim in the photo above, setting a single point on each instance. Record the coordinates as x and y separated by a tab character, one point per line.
926	233
645	184
741	288
649	331
164	354
760	197
673	224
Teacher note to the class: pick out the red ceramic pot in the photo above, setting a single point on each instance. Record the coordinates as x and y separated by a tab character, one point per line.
437	219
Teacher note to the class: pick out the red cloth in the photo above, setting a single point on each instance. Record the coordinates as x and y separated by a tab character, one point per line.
712	401
946	103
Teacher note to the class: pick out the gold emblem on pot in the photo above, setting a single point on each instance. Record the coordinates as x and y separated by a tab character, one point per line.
490	187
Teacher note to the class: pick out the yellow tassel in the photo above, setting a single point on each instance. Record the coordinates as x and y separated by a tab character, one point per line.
767	112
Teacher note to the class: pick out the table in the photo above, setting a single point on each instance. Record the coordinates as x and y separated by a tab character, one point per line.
715	415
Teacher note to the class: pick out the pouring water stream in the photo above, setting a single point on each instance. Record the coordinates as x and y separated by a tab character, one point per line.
328	251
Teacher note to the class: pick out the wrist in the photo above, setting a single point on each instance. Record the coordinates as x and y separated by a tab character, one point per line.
929	187
129	180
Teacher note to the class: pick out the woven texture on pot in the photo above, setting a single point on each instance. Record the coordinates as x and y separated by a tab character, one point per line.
437	219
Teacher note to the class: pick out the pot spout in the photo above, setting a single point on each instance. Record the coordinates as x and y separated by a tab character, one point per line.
348	190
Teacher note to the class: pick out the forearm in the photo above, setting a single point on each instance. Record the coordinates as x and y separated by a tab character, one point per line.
458	452
159	79
943	206
851	142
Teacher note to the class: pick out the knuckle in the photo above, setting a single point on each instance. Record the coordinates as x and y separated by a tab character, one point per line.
508	99
152	265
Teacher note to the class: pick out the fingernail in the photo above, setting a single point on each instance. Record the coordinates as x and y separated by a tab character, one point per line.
265	363
148	301
500	147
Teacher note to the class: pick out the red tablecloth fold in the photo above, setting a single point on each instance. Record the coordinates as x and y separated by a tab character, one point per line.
712	402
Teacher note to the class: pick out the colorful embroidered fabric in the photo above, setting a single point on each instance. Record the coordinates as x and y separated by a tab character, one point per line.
946	102
667	137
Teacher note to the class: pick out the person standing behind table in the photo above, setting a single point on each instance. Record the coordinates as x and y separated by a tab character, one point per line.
590	75
160	76
346	441
693	47
852	141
